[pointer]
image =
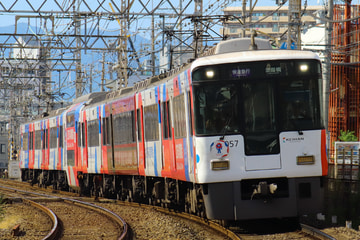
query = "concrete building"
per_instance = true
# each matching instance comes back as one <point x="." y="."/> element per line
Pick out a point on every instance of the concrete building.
<point x="269" y="21"/>
<point x="24" y="92"/>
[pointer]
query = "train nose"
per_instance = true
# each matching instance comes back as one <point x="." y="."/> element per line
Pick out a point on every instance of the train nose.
<point x="263" y="190"/>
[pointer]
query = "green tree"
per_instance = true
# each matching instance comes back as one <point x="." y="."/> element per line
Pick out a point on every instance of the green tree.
<point x="347" y="136"/>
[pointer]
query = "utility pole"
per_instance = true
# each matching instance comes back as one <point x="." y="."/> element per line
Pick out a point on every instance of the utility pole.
<point x="327" y="62"/>
<point x="152" y="45"/>
<point x="198" y="27"/>
<point x="243" y="17"/>
<point x="294" y="19"/>
<point x="79" y="81"/>
<point x="122" y="57"/>
<point x="91" y="77"/>
<point x="103" y="72"/>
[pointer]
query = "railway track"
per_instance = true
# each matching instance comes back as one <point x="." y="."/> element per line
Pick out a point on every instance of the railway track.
<point x="316" y="233"/>
<point x="146" y="222"/>
<point x="91" y="221"/>
<point x="277" y="229"/>
<point x="306" y="232"/>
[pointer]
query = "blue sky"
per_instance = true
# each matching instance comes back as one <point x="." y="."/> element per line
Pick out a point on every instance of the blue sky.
<point x="137" y="7"/>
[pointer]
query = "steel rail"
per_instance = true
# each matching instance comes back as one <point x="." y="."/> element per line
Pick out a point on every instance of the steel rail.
<point x="209" y="223"/>
<point x="55" y="230"/>
<point x="121" y="222"/>
<point x="315" y="232"/>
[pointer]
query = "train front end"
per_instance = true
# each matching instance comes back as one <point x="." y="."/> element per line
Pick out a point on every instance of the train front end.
<point x="259" y="134"/>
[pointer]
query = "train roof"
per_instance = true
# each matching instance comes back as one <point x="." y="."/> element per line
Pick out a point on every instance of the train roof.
<point x="241" y="44"/>
<point x="253" y="55"/>
<point x="91" y="97"/>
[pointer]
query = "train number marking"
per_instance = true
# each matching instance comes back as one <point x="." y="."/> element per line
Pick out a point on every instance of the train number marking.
<point x="233" y="143"/>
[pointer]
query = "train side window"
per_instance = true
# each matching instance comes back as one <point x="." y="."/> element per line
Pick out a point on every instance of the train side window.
<point x="70" y="119"/>
<point x="190" y="115"/>
<point x="124" y="124"/>
<point x="79" y="134"/>
<point x="70" y="154"/>
<point x="43" y="139"/>
<point x="138" y="114"/>
<point x="107" y="130"/>
<point x="31" y="141"/>
<point x="3" y="148"/>
<point x="151" y="122"/>
<point x="61" y="139"/>
<point x="166" y="120"/>
<point x="47" y="138"/>
<point x="133" y="130"/>
<point x="38" y="139"/>
<point x="93" y="131"/>
<point x="83" y="133"/>
<point x="25" y="141"/>
<point x="179" y="116"/>
<point x="53" y="137"/>
<point x="104" y="131"/>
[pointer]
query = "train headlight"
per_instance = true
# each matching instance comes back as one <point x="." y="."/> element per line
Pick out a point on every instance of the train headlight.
<point x="304" y="67"/>
<point x="305" y="160"/>
<point x="210" y="73"/>
<point x="220" y="164"/>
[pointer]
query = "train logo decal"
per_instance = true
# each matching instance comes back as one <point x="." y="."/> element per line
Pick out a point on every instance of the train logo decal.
<point x="293" y="139"/>
<point x="220" y="148"/>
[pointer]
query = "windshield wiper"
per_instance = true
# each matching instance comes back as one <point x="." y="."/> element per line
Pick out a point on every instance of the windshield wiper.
<point x="227" y="126"/>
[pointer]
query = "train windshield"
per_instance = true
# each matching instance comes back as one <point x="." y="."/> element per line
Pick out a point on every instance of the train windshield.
<point x="217" y="109"/>
<point x="257" y="100"/>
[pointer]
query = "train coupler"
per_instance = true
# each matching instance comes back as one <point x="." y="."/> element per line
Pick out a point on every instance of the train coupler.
<point x="263" y="190"/>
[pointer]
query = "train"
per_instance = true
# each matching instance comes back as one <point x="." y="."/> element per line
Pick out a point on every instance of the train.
<point x="236" y="134"/>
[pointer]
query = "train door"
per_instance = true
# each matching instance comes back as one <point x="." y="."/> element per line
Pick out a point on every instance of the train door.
<point x="107" y="139"/>
<point x="43" y="143"/>
<point x="190" y="127"/>
<point x="24" y="153"/>
<point x="79" y="153"/>
<point x="72" y="117"/>
<point x="180" y="130"/>
<point x="47" y="144"/>
<point x="82" y="153"/>
<point x="27" y="151"/>
<point x="167" y="136"/>
<point x="189" y="167"/>
<point x="53" y="156"/>
<point x="60" y="134"/>
<point x="180" y="136"/>
<point x="38" y="144"/>
<point x="31" y="145"/>
<point x="94" y="139"/>
<point x="152" y="121"/>
<point x="140" y="133"/>
<point x="124" y="136"/>
<point x="70" y="139"/>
